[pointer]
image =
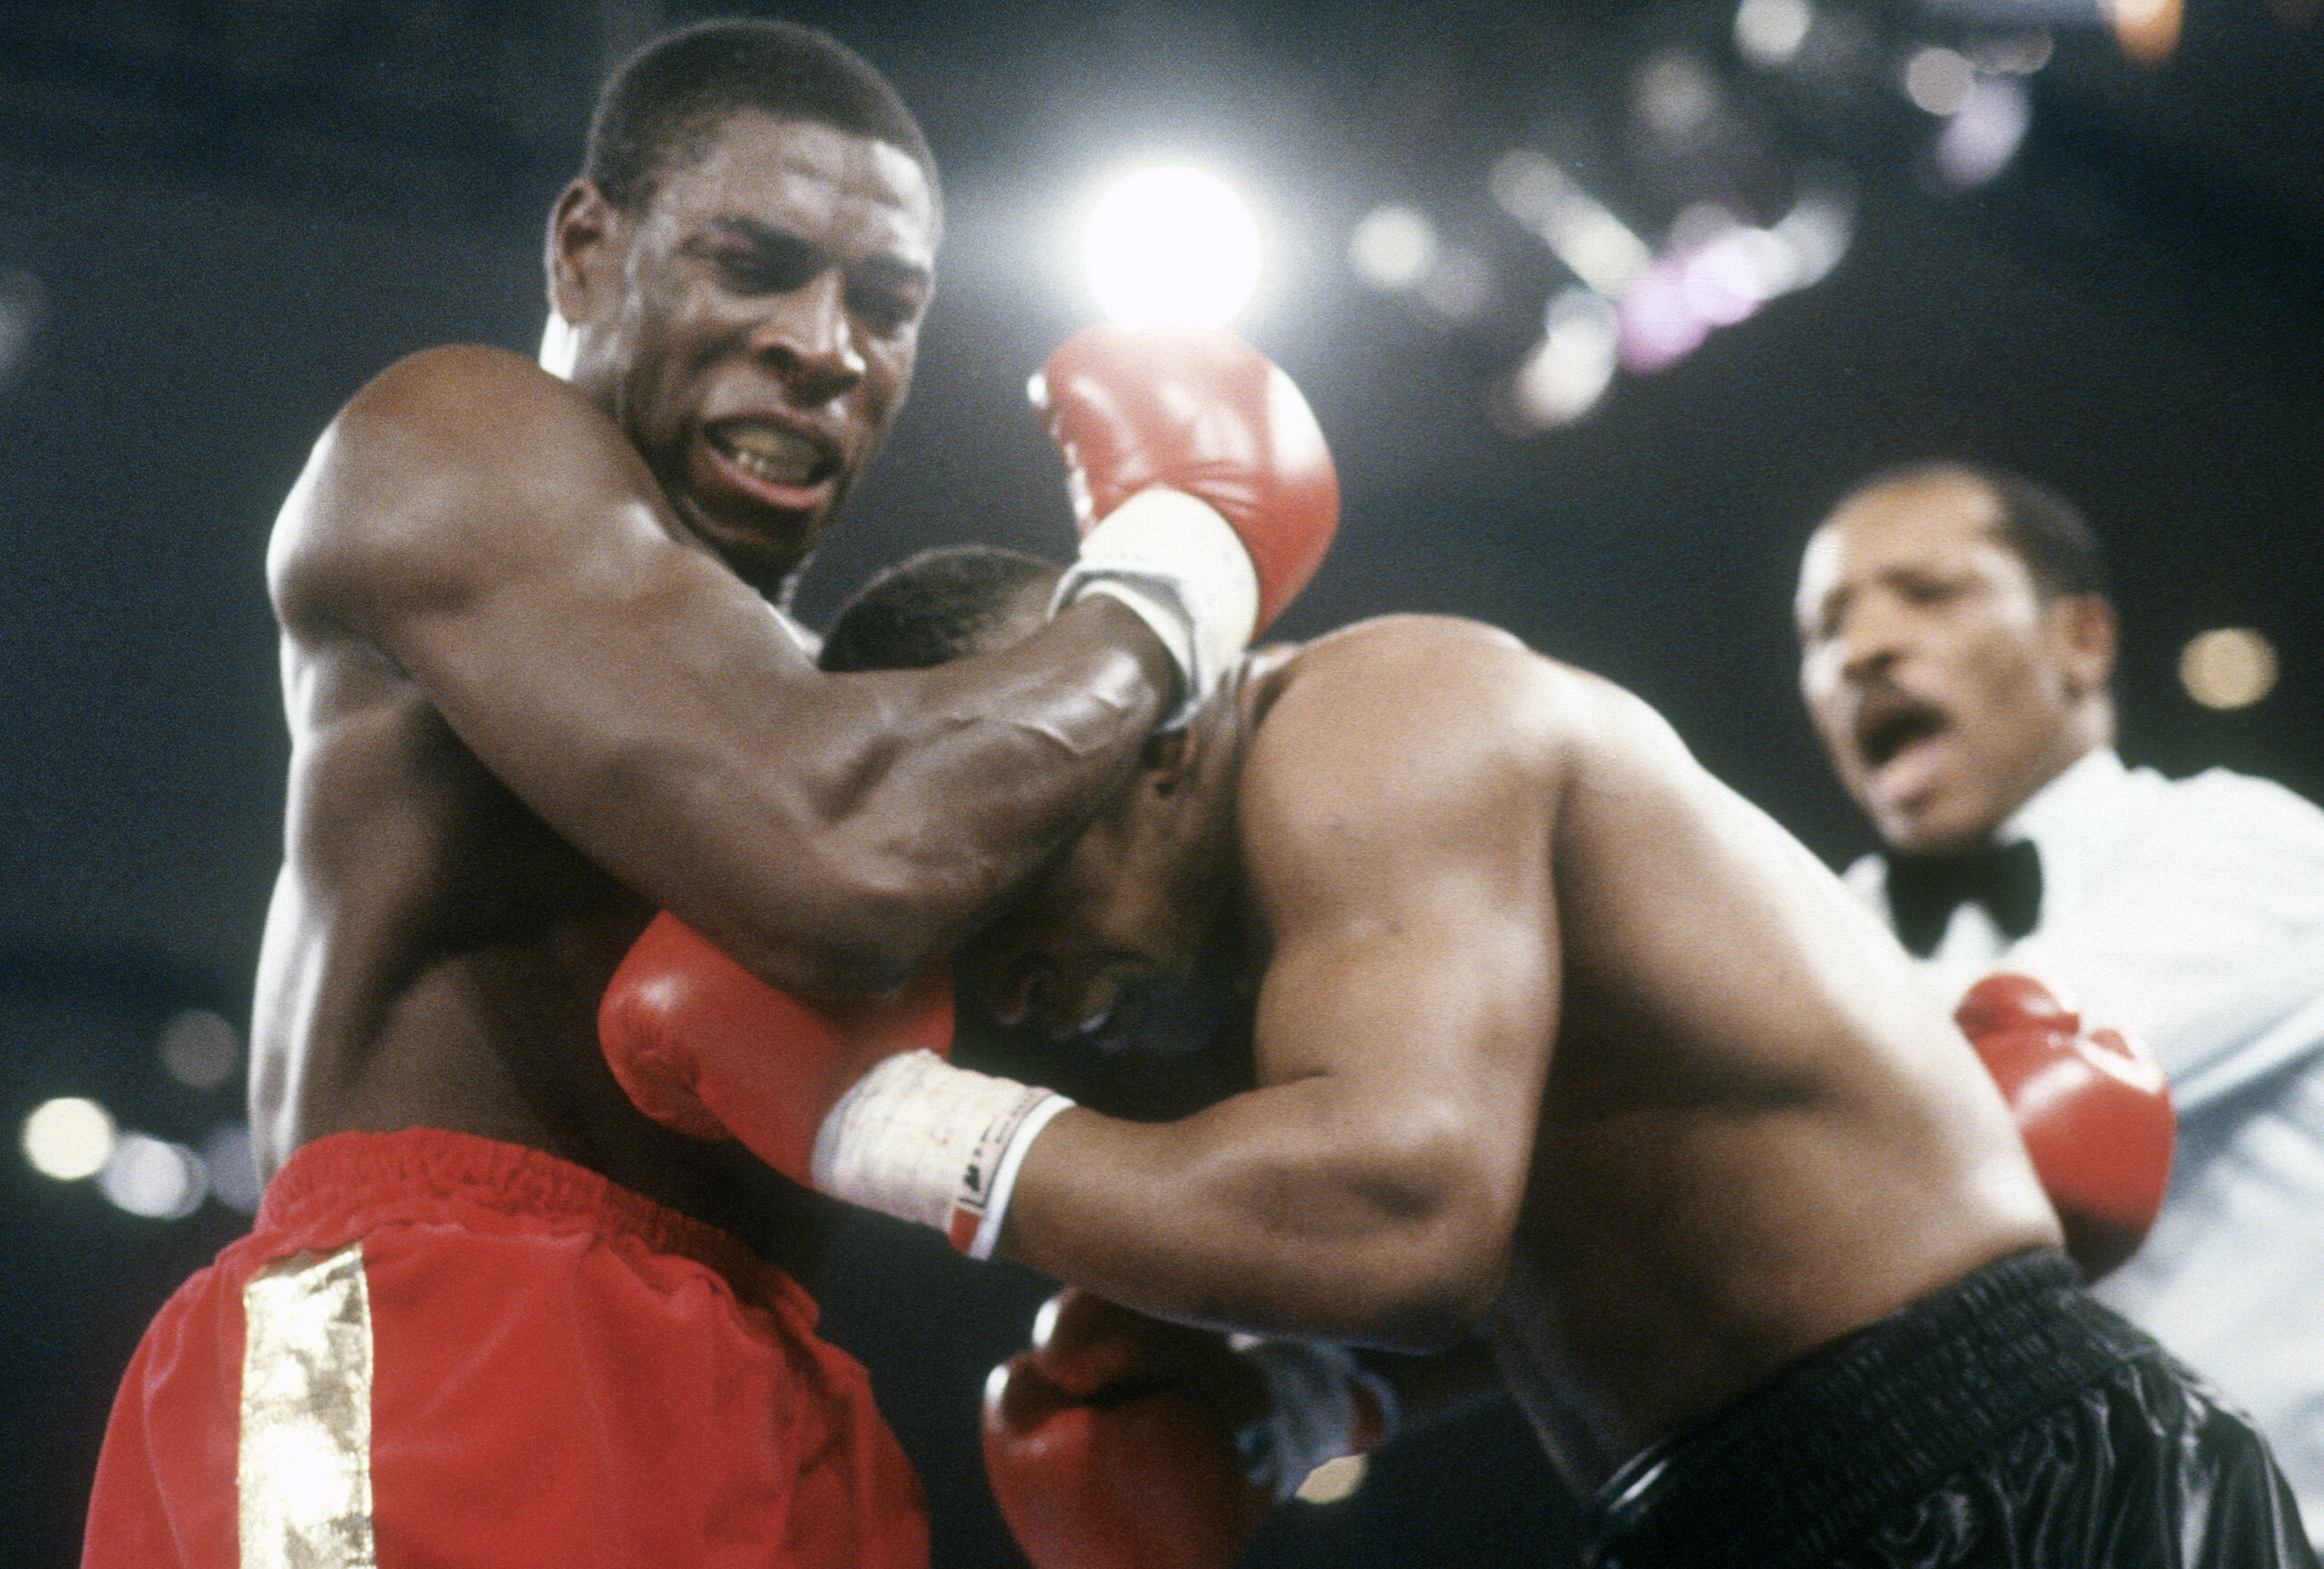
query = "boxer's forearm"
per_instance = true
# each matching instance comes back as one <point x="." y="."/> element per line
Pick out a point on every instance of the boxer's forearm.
<point x="903" y="806"/>
<point x="1278" y="1211"/>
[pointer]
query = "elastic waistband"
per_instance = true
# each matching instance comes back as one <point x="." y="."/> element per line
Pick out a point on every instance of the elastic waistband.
<point x="340" y="1186"/>
<point x="1785" y="1472"/>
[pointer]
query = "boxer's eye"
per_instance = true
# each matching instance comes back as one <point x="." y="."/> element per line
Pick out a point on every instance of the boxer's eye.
<point x="754" y="259"/>
<point x="763" y="270"/>
<point x="886" y="306"/>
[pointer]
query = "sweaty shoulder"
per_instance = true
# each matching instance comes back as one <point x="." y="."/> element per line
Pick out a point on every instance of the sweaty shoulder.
<point x="1460" y="686"/>
<point x="449" y="462"/>
<point x="1409" y="741"/>
<point x="1368" y="653"/>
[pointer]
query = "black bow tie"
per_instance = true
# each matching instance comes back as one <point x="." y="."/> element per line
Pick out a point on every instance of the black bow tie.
<point x="1922" y="889"/>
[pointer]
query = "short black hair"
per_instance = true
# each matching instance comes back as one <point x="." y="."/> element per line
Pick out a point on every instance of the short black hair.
<point x="664" y="104"/>
<point x="934" y="608"/>
<point x="2041" y="526"/>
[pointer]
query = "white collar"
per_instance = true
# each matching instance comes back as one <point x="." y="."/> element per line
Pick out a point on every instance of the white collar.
<point x="2074" y="818"/>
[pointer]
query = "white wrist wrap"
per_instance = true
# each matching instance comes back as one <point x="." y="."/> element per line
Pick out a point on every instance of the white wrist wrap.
<point x="1318" y="1396"/>
<point x="922" y="1140"/>
<point x="1182" y="569"/>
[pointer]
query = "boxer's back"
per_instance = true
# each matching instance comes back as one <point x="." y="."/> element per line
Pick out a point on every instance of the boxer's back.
<point x="1755" y="1132"/>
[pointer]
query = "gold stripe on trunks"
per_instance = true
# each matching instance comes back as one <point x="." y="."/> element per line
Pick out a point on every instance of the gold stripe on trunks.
<point x="304" y="1467"/>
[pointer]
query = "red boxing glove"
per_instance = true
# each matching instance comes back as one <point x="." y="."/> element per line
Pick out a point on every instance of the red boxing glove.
<point x="702" y="1045"/>
<point x="2002" y="1003"/>
<point x="2092" y="1106"/>
<point x="1146" y="418"/>
<point x="1120" y="1441"/>
<point x="1111" y="1446"/>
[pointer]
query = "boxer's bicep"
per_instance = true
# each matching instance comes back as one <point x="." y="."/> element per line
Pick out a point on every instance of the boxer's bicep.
<point x="1401" y="864"/>
<point x="1426" y="1005"/>
<point x="1411" y="992"/>
<point x="527" y="575"/>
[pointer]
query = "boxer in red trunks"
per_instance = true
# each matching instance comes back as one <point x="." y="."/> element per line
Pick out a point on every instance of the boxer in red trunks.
<point x="541" y="683"/>
<point x="447" y="1349"/>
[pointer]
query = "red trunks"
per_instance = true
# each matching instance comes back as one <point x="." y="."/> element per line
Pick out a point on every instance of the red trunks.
<point x="436" y="1349"/>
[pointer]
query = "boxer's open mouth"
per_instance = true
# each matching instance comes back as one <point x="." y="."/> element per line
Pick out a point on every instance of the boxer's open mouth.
<point x="772" y="453"/>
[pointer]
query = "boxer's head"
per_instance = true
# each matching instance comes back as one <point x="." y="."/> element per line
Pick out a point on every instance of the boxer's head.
<point x="744" y="262"/>
<point x="1127" y="938"/>
<point x="1956" y="647"/>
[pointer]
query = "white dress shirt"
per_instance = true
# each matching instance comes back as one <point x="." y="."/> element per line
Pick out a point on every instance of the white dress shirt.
<point x="2190" y="913"/>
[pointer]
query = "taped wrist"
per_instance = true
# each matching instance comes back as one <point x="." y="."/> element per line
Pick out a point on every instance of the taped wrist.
<point x="925" y="1141"/>
<point x="1322" y="1404"/>
<point x="1183" y="570"/>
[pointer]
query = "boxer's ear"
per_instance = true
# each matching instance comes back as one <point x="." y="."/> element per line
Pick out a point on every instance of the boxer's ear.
<point x="582" y="252"/>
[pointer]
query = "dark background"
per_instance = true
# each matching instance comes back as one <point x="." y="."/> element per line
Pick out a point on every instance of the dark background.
<point x="219" y="217"/>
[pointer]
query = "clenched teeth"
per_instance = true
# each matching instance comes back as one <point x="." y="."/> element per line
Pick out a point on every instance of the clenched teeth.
<point x="769" y="452"/>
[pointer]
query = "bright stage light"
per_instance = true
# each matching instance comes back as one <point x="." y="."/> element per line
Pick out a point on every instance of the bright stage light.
<point x="68" y="1137"/>
<point x="1172" y="244"/>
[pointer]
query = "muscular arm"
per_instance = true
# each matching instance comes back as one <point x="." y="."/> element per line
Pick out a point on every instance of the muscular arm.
<point x="525" y="572"/>
<point x="1368" y="1189"/>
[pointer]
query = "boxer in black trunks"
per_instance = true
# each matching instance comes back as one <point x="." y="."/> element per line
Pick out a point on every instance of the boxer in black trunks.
<point x="1551" y="1037"/>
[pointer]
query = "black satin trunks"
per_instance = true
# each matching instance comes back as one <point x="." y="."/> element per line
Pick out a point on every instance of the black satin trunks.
<point x="2008" y="1420"/>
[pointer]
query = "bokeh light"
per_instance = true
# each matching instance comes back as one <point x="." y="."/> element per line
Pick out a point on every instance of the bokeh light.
<point x="1392" y="248"/>
<point x="2146" y="30"/>
<point x="68" y="1137"/>
<point x="234" y="1167"/>
<point x="23" y="310"/>
<point x="153" y="1178"/>
<point x="1578" y="230"/>
<point x="200" y="1048"/>
<point x="1458" y="286"/>
<point x="1978" y="143"/>
<point x="1569" y="369"/>
<point x="1676" y="95"/>
<point x="1770" y="32"/>
<point x="2227" y="667"/>
<point x="1938" y="80"/>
